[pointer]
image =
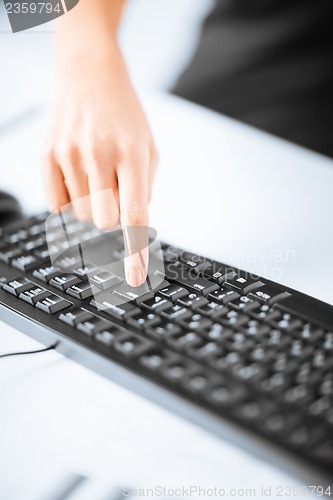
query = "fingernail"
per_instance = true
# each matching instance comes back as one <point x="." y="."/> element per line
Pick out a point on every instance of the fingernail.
<point x="103" y="224"/>
<point x="135" y="276"/>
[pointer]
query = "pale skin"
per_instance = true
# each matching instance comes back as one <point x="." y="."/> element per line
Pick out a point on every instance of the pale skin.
<point x="98" y="138"/>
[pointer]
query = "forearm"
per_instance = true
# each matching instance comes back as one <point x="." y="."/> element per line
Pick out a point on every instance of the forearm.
<point x="91" y="27"/>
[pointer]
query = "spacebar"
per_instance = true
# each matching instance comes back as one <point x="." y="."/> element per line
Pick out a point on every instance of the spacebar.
<point x="311" y="310"/>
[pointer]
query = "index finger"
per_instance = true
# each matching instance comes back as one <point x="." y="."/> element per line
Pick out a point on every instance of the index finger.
<point x="133" y="194"/>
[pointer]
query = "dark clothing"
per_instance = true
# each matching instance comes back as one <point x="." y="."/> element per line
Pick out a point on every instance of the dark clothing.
<point x="268" y="63"/>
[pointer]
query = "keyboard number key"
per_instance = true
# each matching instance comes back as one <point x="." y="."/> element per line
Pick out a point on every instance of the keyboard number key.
<point x="75" y="316"/>
<point x="17" y="286"/>
<point x="53" y="304"/>
<point x="34" y="295"/>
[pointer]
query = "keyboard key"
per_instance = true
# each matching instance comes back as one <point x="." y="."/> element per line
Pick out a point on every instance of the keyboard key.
<point x="107" y="337"/>
<point x="185" y="340"/>
<point x="287" y="322"/>
<point x="83" y="272"/>
<point x="262" y="354"/>
<point x="319" y="358"/>
<point x="176" y="312"/>
<point x="252" y="373"/>
<point x="36" y="229"/>
<point x="155" y="359"/>
<point x="264" y="312"/>
<point x="297" y="395"/>
<point x="254" y="327"/>
<point x="219" y="273"/>
<point x="173" y="292"/>
<point x="163" y="329"/>
<point x="57" y="247"/>
<point x="221" y="395"/>
<point x="309" y="333"/>
<point x="320" y="406"/>
<point x="93" y="325"/>
<point x="53" y="304"/>
<point x="143" y="319"/>
<point x="129" y="293"/>
<point x="75" y="316"/>
<point x="303" y="375"/>
<point x="156" y="304"/>
<point x="218" y="332"/>
<point x="244" y="283"/>
<point x="275" y="423"/>
<point x="114" y="306"/>
<point x="17" y="286"/>
<point x="284" y="364"/>
<point x="25" y="262"/>
<point x="17" y="236"/>
<point x="246" y="304"/>
<point x="324" y="452"/>
<point x="192" y="300"/>
<point x="212" y="309"/>
<point x="121" y="311"/>
<point x="104" y="280"/>
<point x="223" y="295"/>
<point x="82" y="290"/>
<point x="42" y="253"/>
<point x="224" y="361"/>
<point x="326" y="387"/>
<point x="277" y="339"/>
<point x="33" y="244"/>
<point x="131" y="346"/>
<point x="45" y="273"/>
<point x="9" y="253"/>
<point x="234" y="319"/>
<point x="175" y="372"/>
<point x="193" y="261"/>
<point x="328" y="339"/>
<point x="269" y="294"/>
<point x="205" y="351"/>
<point x="227" y="395"/>
<point x="239" y="343"/>
<point x="189" y="280"/>
<point x="251" y="411"/>
<point x="195" y="322"/>
<point x="34" y="295"/>
<point x="68" y="262"/>
<point x="197" y="383"/>
<point x="64" y="281"/>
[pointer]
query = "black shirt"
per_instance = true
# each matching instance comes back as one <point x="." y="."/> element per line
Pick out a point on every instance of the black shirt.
<point x="268" y="63"/>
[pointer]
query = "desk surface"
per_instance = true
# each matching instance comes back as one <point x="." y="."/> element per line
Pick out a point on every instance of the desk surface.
<point x="222" y="189"/>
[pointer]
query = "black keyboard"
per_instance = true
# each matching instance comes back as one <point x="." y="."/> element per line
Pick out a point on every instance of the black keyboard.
<point x="240" y="355"/>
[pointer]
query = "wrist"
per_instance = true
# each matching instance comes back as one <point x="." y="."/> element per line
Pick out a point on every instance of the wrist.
<point x="89" y="32"/>
<point x="81" y="56"/>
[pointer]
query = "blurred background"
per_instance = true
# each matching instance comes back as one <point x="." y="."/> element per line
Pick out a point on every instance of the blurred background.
<point x="158" y="39"/>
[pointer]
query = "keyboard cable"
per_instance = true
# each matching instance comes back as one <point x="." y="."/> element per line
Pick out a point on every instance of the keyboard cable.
<point x="53" y="346"/>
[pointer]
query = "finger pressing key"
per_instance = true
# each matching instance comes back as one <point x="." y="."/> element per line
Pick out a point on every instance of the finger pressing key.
<point x="133" y="190"/>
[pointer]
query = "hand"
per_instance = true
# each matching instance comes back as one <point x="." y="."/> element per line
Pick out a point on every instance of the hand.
<point x="99" y="140"/>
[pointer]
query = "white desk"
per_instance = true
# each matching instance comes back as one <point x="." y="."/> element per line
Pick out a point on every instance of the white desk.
<point x="222" y="189"/>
